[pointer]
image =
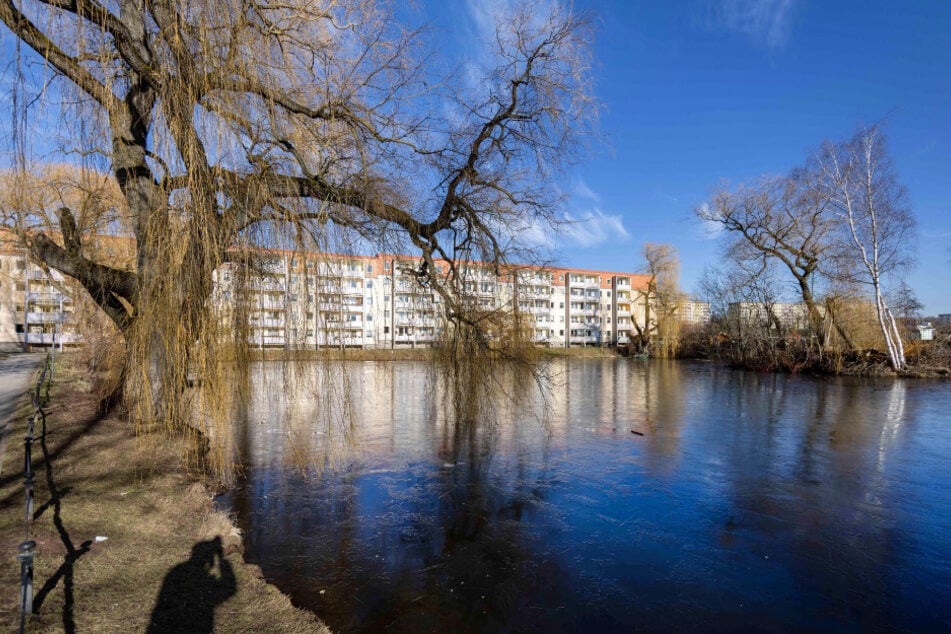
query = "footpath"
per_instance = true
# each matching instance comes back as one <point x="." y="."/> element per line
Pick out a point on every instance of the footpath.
<point x="16" y="373"/>
<point x="127" y="541"/>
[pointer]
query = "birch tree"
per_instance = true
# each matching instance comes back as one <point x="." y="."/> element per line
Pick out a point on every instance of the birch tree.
<point x="219" y="118"/>
<point x="875" y="225"/>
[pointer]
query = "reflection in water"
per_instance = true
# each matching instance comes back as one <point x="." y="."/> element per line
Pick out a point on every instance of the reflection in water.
<point x="751" y="501"/>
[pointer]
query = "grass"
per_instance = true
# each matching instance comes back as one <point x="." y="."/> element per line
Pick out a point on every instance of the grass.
<point x="95" y="479"/>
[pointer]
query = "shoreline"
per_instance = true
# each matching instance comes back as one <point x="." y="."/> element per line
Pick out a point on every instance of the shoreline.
<point x="119" y="523"/>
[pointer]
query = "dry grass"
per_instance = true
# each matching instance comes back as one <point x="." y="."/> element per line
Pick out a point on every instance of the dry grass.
<point x="95" y="478"/>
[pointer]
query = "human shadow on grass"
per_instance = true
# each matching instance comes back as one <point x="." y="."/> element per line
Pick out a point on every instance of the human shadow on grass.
<point x="192" y="590"/>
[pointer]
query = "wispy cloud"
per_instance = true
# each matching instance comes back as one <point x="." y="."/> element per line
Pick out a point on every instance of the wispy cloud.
<point x="580" y="189"/>
<point x="709" y="229"/>
<point x="766" y="22"/>
<point x="584" y="229"/>
<point x="592" y="228"/>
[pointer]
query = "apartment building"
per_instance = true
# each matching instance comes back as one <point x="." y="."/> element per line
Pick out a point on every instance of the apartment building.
<point x="695" y="312"/>
<point x="36" y="308"/>
<point x="313" y="300"/>
<point x="758" y="314"/>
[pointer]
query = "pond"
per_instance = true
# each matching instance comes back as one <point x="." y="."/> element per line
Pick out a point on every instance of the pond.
<point x="630" y="495"/>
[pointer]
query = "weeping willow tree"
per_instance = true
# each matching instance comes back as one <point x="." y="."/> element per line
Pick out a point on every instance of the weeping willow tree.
<point x="237" y="123"/>
<point x="663" y="301"/>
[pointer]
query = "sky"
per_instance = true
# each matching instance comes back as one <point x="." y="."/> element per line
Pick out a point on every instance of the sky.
<point x="696" y="93"/>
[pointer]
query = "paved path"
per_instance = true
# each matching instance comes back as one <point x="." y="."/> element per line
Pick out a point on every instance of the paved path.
<point x="16" y="373"/>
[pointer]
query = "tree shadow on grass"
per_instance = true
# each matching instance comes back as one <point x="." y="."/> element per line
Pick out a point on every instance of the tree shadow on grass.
<point x="192" y="590"/>
<point x="65" y="570"/>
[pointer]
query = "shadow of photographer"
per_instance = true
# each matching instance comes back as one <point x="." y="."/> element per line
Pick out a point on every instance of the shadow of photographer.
<point x="192" y="590"/>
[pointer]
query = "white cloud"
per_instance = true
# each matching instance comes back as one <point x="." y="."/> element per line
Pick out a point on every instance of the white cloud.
<point x="709" y="229"/>
<point x="580" y="189"/>
<point x="766" y="22"/>
<point x="592" y="228"/>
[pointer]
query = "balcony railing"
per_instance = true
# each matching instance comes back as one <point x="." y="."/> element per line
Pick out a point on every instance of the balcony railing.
<point x="45" y="318"/>
<point x="49" y="338"/>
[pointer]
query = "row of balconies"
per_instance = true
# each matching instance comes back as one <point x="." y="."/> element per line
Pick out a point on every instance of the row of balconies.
<point x="49" y="338"/>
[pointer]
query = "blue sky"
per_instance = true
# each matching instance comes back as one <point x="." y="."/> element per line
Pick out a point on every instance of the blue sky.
<point x="698" y="92"/>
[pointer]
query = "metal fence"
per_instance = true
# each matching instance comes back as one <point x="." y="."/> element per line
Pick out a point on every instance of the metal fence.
<point x="27" y="551"/>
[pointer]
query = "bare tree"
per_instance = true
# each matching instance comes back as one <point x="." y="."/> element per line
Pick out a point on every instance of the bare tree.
<point x="222" y="122"/>
<point x="870" y="205"/>
<point x="779" y="219"/>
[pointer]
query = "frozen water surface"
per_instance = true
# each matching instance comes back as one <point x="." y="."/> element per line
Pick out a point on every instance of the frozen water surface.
<point x="750" y="502"/>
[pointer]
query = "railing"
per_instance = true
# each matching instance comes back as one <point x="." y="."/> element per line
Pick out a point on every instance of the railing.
<point x="27" y="549"/>
<point x="38" y="317"/>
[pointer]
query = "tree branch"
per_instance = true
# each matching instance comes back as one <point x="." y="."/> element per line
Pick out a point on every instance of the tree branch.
<point x="23" y="28"/>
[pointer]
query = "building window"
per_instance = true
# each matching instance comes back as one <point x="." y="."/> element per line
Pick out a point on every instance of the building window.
<point x="369" y="270"/>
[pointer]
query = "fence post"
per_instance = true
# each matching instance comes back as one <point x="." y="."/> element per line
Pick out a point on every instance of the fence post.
<point x="26" y="555"/>
<point x="27" y="549"/>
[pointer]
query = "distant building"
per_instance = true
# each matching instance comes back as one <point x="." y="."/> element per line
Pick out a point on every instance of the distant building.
<point x="312" y="300"/>
<point x="35" y="308"/>
<point x="770" y="316"/>
<point x="695" y="312"/>
<point x="923" y="332"/>
<point x="944" y="319"/>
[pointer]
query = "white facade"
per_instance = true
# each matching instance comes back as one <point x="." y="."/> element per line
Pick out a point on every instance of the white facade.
<point x="308" y="301"/>
<point x="36" y="309"/>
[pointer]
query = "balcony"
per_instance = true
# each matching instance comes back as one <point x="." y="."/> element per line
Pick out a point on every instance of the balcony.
<point x="256" y="340"/>
<point x="538" y="292"/>
<point x="348" y="341"/>
<point x="583" y="340"/>
<point x="45" y="318"/>
<point x="49" y="338"/>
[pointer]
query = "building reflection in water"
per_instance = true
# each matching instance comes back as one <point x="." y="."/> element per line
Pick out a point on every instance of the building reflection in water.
<point x="758" y="500"/>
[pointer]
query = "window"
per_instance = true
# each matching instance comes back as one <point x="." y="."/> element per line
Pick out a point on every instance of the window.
<point x="386" y="313"/>
<point x="386" y="299"/>
<point x="370" y="317"/>
<point x="369" y="270"/>
<point x="369" y="283"/>
<point x="386" y="330"/>
<point x="386" y="266"/>
<point x="369" y="333"/>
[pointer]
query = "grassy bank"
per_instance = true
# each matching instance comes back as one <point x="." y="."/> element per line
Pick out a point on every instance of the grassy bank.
<point x="94" y="480"/>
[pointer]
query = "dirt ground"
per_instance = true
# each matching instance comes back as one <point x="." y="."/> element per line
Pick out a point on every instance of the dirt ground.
<point x="126" y="540"/>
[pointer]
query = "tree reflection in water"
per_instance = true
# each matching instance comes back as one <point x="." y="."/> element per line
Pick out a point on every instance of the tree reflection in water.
<point x="758" y="501"/>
